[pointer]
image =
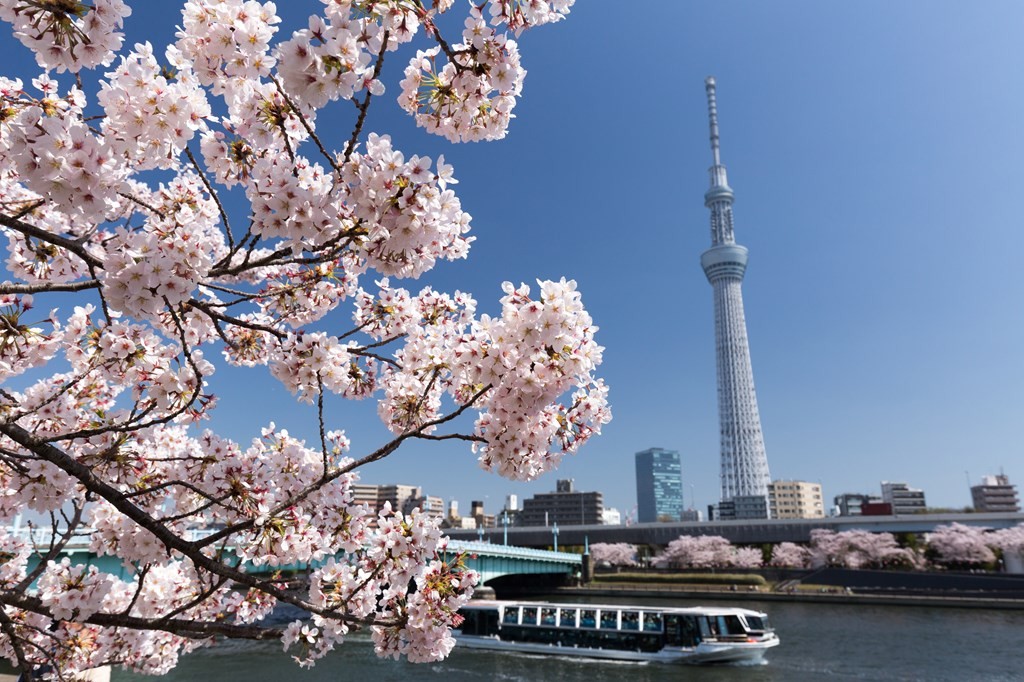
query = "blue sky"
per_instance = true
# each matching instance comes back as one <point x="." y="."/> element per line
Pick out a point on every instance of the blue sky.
<point x="875" y="150"/>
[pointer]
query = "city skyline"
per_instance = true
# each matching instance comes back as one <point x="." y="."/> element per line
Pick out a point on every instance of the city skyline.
<point x="877" y="150"/>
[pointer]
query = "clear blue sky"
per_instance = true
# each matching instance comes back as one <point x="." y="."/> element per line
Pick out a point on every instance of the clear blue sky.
<point x="876" y="152"/>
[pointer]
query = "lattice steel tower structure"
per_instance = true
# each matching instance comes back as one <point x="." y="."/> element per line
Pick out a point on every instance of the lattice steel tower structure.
<point x="744" y="463"/>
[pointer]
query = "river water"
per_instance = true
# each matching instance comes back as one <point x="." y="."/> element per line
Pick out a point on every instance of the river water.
<point x="819" y="641"/>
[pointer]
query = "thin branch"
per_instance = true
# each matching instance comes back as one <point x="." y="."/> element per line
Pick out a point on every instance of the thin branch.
<point x="28" y="209"/>
<point x="55" y="548"/>
<point x="365" y="106"/>
<point x="452" y="436"/>
<point x="305" y="124"/>
<point x="320" y="417"/>
<point x="143" y="204"/>
<point x="213" y="193"/>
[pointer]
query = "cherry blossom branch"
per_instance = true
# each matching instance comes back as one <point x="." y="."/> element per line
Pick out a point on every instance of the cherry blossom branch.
<point x="28" y="209"/>
<point x="214" y="195"/>
<point x="7" y="625"/>
<point x="305" y="124"/>
<point x="183" y="627"/>
<point x="365" y="106"/>
<point x="143" y="204"/>
<point x="8" y="288"/>
<point x="43" y="235"/>
<point x="143" y="572"/>
<point x="92" y="483"/>
<point x="452" y="436"/>
<point x="55" y="548"/>
<point x="378" y="454"/>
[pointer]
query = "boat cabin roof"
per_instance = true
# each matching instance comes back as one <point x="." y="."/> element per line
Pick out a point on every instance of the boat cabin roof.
<point x="691" y="610"/>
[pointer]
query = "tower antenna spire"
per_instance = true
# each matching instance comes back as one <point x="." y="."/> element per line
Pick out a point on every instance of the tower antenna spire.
<point x="709" y="85"/>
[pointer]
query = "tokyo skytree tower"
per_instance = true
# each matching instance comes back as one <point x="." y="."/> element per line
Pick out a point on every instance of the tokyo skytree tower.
<point x="744" y="463"/>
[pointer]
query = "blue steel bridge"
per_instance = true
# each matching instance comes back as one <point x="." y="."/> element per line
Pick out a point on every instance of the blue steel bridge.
<point x="489" y="560"/>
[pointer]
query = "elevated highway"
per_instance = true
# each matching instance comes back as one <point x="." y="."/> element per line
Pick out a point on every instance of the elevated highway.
<point x="750" y="532"/>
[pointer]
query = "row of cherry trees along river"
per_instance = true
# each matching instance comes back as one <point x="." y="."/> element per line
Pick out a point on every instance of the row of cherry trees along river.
<point x="953" y="546"/>
<point x="113" y="204"/>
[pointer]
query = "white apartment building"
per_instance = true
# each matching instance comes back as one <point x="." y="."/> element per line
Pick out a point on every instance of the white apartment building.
<point x="795" y="500"/>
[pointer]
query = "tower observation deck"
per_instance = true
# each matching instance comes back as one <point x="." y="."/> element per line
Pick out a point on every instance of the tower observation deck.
<point x="744" y="463"/>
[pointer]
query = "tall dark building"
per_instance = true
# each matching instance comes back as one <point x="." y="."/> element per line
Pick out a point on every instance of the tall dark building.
<point x="659" y="485"/>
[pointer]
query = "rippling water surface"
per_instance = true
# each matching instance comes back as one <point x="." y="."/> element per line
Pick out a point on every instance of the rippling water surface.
<point x="819" y="641"/>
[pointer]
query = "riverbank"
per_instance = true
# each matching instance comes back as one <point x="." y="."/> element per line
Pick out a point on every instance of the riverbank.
<point x="822" y="596"/>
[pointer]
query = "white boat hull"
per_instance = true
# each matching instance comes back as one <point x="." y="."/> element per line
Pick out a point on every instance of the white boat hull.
<point x="703" y="653"/>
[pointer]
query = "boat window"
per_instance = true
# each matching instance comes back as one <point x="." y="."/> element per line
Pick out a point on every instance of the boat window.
<point x="511" y="615"/>
<point x="588" y="618"/>
<point x="630" y="620"/>
<point x="567" y="618"/>
<point x="758" y="623"/>
<point x="705" y="623"/>
<point x="652" y="622"/>
<point x="609" y="620"/>
<point x="469" y="620"/>
<point x="529" y="615"/>
<point x="547" y="616"/>
<point x="730" y="625"/>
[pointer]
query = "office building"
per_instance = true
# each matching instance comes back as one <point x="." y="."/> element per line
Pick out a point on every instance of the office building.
<point x="902" y="498"/>
<point x="995" y="494"/>
<point x="564" y="507"/>
<point x="659" y="485"/>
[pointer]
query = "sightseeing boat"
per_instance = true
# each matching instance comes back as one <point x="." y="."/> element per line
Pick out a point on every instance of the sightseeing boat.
<point x="633" y="633"/>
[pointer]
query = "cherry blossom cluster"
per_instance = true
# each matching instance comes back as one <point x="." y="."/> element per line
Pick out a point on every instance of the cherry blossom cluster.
<point x="330" y="60"/>
<point x="400" y="552"/>
<point x="57" y="156"/>
<point x="230" y="159"/>
<point x="522" y="14"/>
<point x="32" y="259"/>
<point x="471" y="98"/>
<point x="413" y="390"/>
<point x="291" y="201"/>
<point x="538" y="349"/>
<point x="73" y="592"/>
<point x="960" y="545"/>
<point x="24" y="345"/>
<point x="859" y="549"/>
<point x="613" y="553"/>
<point x="68" y="35"/>
<point x="790" y="555"/>
<point x="410" y="218"/>
<point x="150" y="119"/>
<point x="430" y="614"/>
<point x="12" y="566"/>
<point x="1009" y="540"/>
<point x="79" y="591"/>
<point x="228" y="41"/>
<point x="308" y="364"/>
<point x="298" y="295"/>
<point x="161" y="264"/>
<point x="707" y="551"/>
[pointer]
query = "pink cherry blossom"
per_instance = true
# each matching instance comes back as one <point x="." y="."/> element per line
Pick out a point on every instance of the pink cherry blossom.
<point x="185" y="215"/>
